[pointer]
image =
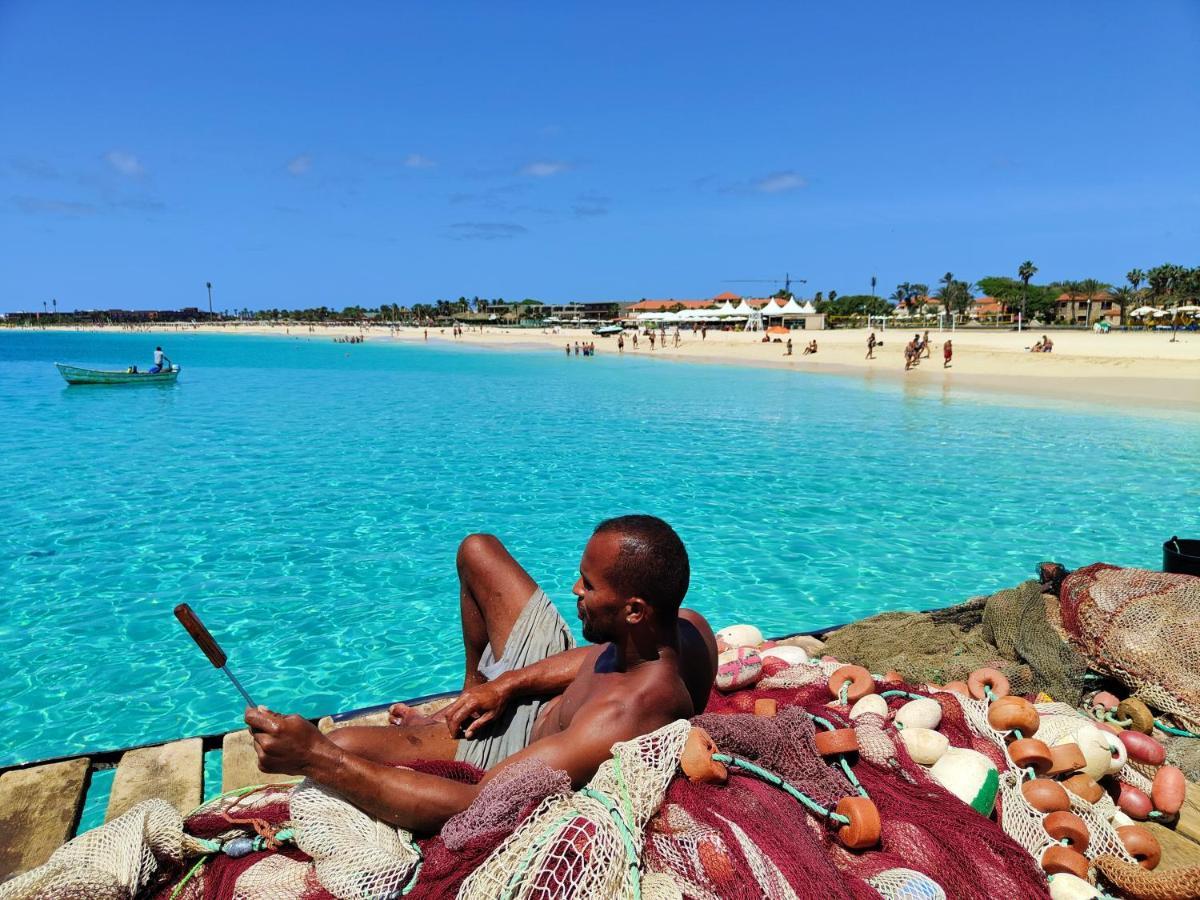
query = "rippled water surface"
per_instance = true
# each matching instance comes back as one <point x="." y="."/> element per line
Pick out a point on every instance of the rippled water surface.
<point x="307" y="498"/>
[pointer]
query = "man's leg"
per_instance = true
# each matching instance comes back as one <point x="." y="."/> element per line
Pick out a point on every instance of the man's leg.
<point x="393" y="745"/>
<point x="493" y="590"/>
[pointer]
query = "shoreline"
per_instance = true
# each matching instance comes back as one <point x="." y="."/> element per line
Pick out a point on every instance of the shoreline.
<point x="1132" y="371"/>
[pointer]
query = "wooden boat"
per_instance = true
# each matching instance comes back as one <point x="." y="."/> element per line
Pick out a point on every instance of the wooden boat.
<point x="76" y="375"/>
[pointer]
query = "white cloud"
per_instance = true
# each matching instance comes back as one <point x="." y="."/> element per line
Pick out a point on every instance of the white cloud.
<point x="125" y="163"/>
<point x="544" y="168"/>
<point x="417" y="161"/>
<point x="300" y="165"/>
<point x="778" y="182"/>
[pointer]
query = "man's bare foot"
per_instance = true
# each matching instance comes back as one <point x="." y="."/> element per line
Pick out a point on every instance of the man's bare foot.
<point x="404" y="715"/>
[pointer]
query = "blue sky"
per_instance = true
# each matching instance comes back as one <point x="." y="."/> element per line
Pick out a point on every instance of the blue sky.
<point x="300" y="154"/>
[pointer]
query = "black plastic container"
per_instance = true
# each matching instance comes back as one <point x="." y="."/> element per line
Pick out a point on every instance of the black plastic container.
<point x="1182" y="557"/>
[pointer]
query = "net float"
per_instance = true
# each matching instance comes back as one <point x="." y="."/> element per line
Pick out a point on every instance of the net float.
<point x="1168" y="790"/>
<point x="1030" y="753"/>
<point x="697" y="761"/>
<point x="1133" y="802"/>
<point x="958" y="687"/>
<point x="924" y="745"/>
<point x="980" y="679"/>
<point x="970" y="776"/>
<point x="737" y="668"/>
<point x="1118" y="755"/>
<point x="864" y="829"/>
<point x="1138" y="712"/>
<point x="1065" y="886"/>
<point x="1085" y="787"/>
<point x="924" y="712"/>
<point x="872" y="703"/>
<point x="858" y="680"/>
<point x="1106" y="700"/>
<point x="1141" y="845"/>
<point x="766" y="707"/>
<point x="740" y="636"/>
<point x="1046" y="796"/>
<point x="1066" y="758"/>
<point x="892" y="676"/>
<point x="1058" y="858"/>
<point x="1142" y="748"/>
<point x="1063" y="825"/>
<point x="840" y="740"/>
<point x="1014" y="716"/>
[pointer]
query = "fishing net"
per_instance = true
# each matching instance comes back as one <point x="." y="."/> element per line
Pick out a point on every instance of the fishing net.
<point x="1143" y="628"/>
<point x="134" y="852"/>
<point x="1134" y="881"/>
<point x="589" y="843"/>
<point x="927" y="647"/>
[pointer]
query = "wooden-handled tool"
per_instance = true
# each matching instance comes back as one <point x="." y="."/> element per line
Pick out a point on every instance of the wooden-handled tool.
<point x="190" y="621"/>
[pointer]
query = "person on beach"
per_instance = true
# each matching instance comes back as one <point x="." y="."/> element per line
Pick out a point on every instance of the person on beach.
<point x="635" y="340"/>
<point x="651" y="340"/>
<point x="810" y="348"/>
<point x="1047" y="344"/>
<point x="788" y="352"/>
<point x="910" y="351"/>
<point x="925" y="344"/>
<point x="159" y="358"/>
<point x="568" y="349"/>
<point x="947" y="354"/>
<point x="871" y="345"/>
<point x="621" y="343"/>
<point x="528" y="693"/>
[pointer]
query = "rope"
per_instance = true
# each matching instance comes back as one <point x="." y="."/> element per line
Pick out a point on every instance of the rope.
<point x="1181" y="732"/>
<point x="188" y="877"/>
<point x="773" y="779"/>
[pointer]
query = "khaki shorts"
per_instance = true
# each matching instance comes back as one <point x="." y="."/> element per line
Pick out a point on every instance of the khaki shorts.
<point x="539" y="632"/>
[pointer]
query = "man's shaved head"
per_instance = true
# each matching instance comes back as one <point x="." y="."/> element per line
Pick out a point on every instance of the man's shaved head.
<point x="652" y="563"/>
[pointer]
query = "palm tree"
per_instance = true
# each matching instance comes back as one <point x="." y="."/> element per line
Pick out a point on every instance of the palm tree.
<point x="1025" y="272"/>
<point x="874" y="280"/>
<point x="1072" y="289"/>
<point x="946" y="292"/>
<point x="1135" y="277"/>
<point x="1124" y="297"/>
<point x="1090" y="288"/>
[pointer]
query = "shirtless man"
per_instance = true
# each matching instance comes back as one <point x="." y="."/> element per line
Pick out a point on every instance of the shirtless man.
<point x="527" y="694"/>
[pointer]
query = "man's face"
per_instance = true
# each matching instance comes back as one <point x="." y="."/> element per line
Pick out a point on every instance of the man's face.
<point x="602" y="609"/>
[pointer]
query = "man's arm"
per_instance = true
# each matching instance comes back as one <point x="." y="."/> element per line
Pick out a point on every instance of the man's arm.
<point x="478" y="705"/>
<point x="423" y="803"/>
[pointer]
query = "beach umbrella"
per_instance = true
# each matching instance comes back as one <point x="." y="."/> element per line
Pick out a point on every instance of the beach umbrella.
<point x="1144" y="311"/>
<point x="1187" y="309"/>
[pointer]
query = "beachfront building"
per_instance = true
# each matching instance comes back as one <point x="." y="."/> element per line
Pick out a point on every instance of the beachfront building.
<point x="1081" y="309"/>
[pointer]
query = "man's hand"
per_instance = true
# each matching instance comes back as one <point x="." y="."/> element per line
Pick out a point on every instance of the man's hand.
<point x="288" y="745"/>
<point x="476" y="706"/>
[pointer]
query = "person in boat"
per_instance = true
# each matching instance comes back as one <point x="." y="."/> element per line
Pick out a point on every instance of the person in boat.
<point x="159" y="360"/>
<point x="528" y="694"/>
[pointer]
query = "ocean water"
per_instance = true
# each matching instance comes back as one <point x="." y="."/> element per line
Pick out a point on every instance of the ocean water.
<point x="306" y="498"/>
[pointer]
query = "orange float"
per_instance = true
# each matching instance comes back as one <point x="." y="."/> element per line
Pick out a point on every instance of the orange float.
<point x="864" y="828"/>
<point x="1143" y="748"/>
<point x="766" y="707"/>
<point x="1066" y="758"/>
<point x="1058" y="858"/>
<point x="1014" y="714"/>
<point x="697" y="761"/>
<point x="859" y="680"/>
<point x="1046" y="796"/>
<point x="1141" y="845"/>
<point x="1168" y="790"/>
<point x="990" y="678"/>
<point x="840" y="740"/>
<point x="1063" y="824"/>
<point x="959" y="687"/>
<point x="1133" y="802"/>
<point x="893" y="677"/>
<point x="1084" y="786"/>
<point x="1030" y="753"/>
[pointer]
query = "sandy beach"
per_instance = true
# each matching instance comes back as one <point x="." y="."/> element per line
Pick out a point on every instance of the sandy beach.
<point x="1131" y="370"/>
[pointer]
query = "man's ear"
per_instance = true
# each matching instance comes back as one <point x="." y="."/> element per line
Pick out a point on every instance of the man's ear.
<point x="636" y="610"/>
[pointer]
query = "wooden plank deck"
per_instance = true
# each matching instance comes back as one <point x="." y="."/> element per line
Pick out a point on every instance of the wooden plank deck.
<point x="173" y="772"/>
<point x="39" y="810"/>
<point x="239" y="763"/>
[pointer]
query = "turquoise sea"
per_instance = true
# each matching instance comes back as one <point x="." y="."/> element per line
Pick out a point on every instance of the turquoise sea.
<point x="307" y="498"/>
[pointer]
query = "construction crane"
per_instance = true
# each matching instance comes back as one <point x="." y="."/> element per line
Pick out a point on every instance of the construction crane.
<point x="786" y="281"/>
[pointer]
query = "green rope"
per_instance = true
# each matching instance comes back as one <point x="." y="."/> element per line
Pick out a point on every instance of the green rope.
<point x="1177" y="731"/>
<point x="188" y="877"/>
<point x="841" y="760"/>
<point x="989" y="693"/>
<point x="773" y="779"/>
<point x="539" y="841"/>
<point x="909" y="694"/>
<point x="1109" y="717"/>
<point x="844" y="693"/>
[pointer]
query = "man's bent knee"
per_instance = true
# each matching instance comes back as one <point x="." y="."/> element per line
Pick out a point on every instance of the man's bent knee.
<point x="478" y="550"/>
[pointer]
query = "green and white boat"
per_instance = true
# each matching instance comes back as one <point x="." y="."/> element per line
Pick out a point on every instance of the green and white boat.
<point x="75" y="375"/>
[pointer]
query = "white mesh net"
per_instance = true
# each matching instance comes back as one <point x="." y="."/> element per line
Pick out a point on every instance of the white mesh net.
<point x="109" y="863"/>
<point x="588" y="844"/>
<point x="1020" y="820"/>
<point x="354" y="855"/>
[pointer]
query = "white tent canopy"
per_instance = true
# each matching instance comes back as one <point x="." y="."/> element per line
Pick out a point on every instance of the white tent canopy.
<point x="772" y="308"/>
<point x="725" y="307"/>
<point x="791" y="308"/>
<point x="744" y="309"/>
<point x="808" y="309"/>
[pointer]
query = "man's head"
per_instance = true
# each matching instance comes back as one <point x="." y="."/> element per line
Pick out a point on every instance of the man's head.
<point x="634" y="572"/>
<point x="159" y="349"/>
